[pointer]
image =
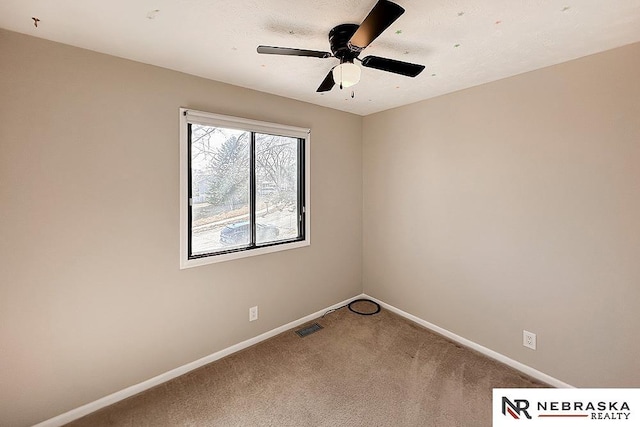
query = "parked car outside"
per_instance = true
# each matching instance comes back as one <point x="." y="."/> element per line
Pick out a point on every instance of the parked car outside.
<point x="238" y="233"/>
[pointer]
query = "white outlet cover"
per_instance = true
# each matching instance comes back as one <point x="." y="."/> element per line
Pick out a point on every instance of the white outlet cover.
<point x="529" y="339"/>
<point x="253" y="313"/>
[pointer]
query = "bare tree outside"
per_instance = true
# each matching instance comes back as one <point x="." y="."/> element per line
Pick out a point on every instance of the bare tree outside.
<point x="220" y="174"/>
<point x="277" y="184"/>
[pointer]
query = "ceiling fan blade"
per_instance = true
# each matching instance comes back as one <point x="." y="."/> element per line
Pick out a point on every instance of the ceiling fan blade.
<point x="272" y="50"/>
<point x="328" y="83"/>
<point x="392" y="66"/>
<point x="383" y="14"/>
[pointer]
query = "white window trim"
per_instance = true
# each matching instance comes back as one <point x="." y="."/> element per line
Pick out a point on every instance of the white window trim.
<point x="188" y="115"/>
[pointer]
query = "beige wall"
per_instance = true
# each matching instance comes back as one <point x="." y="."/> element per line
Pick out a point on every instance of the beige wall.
<point x="516" y="205"/>
<point x="91" y="296"/>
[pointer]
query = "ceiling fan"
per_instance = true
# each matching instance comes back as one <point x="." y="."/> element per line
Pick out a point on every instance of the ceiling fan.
<point x="347" y="41"/>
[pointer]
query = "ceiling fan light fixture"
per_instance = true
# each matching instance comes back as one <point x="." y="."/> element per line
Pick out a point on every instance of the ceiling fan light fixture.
<point x="346" y="74"/>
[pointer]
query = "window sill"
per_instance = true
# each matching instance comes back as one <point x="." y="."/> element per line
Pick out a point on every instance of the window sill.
<point x="196" y="262"/>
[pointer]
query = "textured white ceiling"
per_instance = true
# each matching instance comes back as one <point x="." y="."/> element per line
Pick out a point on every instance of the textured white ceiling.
<point x="463" y="43"/>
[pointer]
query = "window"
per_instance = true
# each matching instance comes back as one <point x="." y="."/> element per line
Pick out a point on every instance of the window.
<point x="244" y="187"/>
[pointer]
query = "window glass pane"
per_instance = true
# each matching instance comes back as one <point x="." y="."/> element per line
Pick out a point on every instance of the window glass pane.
<point x="276" y="188"/>
<point x="219" y="189"/>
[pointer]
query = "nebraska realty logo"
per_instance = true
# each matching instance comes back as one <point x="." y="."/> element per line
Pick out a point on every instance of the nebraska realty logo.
<point x="566" y="407"/>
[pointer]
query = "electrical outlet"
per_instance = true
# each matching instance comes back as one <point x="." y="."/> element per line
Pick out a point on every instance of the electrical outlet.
<point x="253" y="313"/>
<point x="529" y="339"/>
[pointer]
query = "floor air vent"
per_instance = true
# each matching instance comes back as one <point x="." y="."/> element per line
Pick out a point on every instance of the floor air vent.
<point x="308" y="330"/>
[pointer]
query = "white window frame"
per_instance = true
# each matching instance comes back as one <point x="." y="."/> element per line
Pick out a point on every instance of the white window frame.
<point x="188" y="115"/>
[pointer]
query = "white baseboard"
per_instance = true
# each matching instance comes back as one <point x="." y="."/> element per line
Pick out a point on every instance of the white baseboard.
<point x="87" y="409"/>
<point x="477" y="347"/>
<point x="83" y="410"/>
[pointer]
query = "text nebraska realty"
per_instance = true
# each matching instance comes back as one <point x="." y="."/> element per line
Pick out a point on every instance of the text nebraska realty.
<point x="599" y="410"/>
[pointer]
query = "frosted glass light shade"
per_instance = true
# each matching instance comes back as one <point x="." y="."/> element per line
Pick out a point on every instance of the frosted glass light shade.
<point x="346" y="73"/>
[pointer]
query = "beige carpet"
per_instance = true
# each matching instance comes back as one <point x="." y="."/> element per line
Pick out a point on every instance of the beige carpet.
<point x="379" y="370"/>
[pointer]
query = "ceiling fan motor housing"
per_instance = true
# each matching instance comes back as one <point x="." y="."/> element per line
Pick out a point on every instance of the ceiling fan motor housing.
<point x="339" y="41"/>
